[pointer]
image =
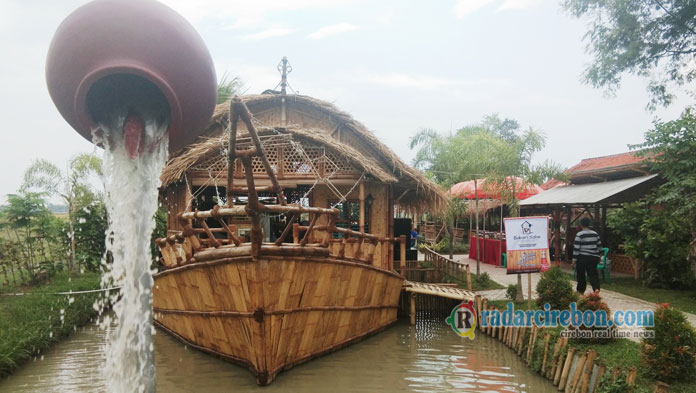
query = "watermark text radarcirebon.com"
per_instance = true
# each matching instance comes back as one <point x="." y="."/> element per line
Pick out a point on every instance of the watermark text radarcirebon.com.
<point x="566" y="318"/>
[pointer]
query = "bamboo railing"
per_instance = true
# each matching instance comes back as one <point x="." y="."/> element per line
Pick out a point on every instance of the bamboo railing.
<point x="446" y="267"/>
<point x="188" y="246"/>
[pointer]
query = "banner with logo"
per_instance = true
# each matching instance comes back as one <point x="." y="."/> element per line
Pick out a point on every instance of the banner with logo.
<point x="527" y="244"/>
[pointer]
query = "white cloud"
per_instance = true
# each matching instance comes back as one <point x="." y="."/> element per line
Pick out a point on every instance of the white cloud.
<point x="518" y="4"/>
<point x="273" y="31"/>
<point x="464" y="7"/>
<point x="332" y="30"/>
<point x="426" y="82"/>
<point x="242" y="13"/>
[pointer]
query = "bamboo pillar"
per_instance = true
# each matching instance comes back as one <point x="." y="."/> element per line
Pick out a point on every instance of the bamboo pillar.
<point x="557" y="234"/>
<point x="569" y="219"/>
<point x="520" y="341"/>
<point x="600" y="372"/>
<point x="589" y="365"/>
<point x="566" y="369"/>
<point x="413" y="309"/>
<point x="484" y="306"/>
<point x="477" y="301"/>
<point x="296" y="233"/>
<point x="631" y="379"/>
<point x="546" y="352"/>
<point x="570" y="388"/>
<point x="402" y="255"/>
<point x="532" y="341"/>
<point x="362" y="206"/>
<point x="603" y="224"/>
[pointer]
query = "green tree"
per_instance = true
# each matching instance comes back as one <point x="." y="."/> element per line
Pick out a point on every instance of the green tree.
<point x="655" y="39"/>
<point x="71" y="185"/>
<point x="23" y="211"/>
<point x="672" y="148"/>
<point x="495" y="149"/>
<point x="659" y="238"/>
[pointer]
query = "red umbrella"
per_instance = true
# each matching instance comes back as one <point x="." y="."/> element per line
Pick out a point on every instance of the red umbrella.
<point x="465" y="190"/>
<point x="491" y="189"/>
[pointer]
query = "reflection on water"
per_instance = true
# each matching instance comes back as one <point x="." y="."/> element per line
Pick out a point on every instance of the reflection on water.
<point x="427" y="358"/>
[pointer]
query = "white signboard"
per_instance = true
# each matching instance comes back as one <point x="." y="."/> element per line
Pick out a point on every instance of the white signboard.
<point x="527" y="244"/>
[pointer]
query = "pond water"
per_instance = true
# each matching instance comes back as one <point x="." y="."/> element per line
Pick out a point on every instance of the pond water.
<point x="429" y="357"/>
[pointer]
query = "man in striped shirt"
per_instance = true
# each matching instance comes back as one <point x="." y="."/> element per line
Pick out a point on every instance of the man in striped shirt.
<point x="586" y="253"/>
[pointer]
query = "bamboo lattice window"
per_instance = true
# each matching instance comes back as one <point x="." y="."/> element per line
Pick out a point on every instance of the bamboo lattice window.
<point x="297" y="159"/>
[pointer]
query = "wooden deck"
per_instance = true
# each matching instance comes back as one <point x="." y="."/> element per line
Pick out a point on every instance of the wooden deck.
<point x="444" y="291"/>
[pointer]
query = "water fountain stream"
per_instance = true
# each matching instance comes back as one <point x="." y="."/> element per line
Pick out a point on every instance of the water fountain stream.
<point x="135" y="76"/>
<point x="132" y="179"/>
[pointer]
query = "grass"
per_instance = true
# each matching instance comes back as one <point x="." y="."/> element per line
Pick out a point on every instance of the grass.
<point x="682" y="300"/>
<point x="30" y="323"/>
<point x="478" y="282"/>
<point x="624" y="353"/>
<point x="502" y="304"/>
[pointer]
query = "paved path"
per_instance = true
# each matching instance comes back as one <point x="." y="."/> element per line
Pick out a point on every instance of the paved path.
<point x="615" y="300"/>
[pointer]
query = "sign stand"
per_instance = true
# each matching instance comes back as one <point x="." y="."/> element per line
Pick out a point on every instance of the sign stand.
<point x="529" y="293"/>
<point x="527" y="249"/>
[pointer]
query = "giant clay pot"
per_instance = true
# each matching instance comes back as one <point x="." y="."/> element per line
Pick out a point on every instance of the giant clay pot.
<point x="132" y="52"/>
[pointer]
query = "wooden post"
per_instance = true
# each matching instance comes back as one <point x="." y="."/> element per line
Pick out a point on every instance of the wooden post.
<point x="296" y="233"/>
<point x="566" y="368"/>
<point x="477" y="300"/>
<point x="413" y="309"/>
<point x="468" y="277"/>
<point x="402" y="254"/>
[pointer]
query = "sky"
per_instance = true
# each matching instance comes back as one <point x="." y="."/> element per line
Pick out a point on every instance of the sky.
<point x="396" y="66"/>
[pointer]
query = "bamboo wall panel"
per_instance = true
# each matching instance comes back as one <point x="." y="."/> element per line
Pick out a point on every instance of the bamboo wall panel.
<point x="378" y="216"/>
<point x="310" y="306"/>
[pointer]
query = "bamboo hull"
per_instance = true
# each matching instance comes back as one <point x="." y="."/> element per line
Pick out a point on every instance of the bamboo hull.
<point x="273" y="313"/>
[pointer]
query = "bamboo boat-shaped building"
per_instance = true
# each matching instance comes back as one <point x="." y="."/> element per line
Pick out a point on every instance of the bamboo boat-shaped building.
<point x="280" y="242"/>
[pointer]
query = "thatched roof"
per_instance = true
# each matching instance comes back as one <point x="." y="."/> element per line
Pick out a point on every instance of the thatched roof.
<point x="363" y="148"/>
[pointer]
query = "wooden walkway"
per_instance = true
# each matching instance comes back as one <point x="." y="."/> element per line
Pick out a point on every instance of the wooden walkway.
<point x="439" y="290"/>
<point x="428" y="297"/>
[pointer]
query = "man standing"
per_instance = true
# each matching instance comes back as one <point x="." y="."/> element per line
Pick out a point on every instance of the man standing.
<point x="586" y="256"/>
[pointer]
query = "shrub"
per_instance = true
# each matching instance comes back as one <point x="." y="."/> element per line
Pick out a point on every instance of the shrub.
<point x="671" y="354"/>
<point x="511" y="292"/>
<point x="555" y="288"/>
<point x="483" y="278"/>
<point x="608" y="384"/>
<point x="658" y="237"/>
<point x="593" y="302"/>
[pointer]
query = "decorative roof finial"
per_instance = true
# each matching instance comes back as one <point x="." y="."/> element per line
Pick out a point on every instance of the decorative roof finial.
<point x="284" y="68"/>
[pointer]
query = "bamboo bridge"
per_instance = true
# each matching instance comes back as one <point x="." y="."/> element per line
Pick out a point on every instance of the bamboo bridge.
<point x="426" y="290"/>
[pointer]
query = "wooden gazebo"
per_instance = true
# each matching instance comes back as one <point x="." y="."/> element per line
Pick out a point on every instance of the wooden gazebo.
<point x="321" y="156"/>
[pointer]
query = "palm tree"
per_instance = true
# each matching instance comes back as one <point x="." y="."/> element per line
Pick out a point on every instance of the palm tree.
<point x="70" y="185"/>
<point x="229" y="88"/>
